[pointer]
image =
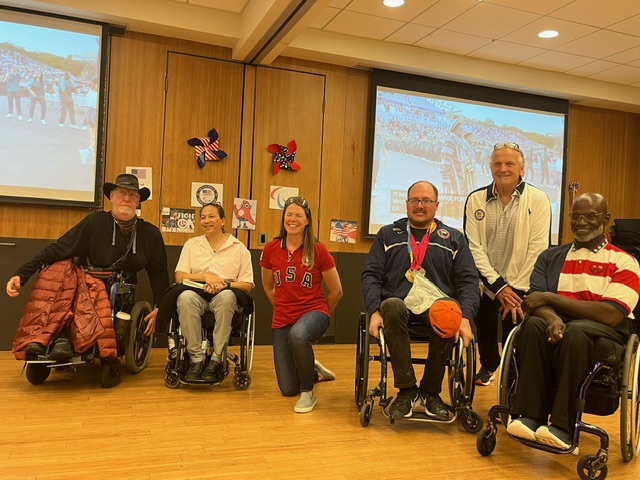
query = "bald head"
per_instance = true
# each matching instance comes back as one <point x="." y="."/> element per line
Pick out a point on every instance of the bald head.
<point x="595" y="200"/>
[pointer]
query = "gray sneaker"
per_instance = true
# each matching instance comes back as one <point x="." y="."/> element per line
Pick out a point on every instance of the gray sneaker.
<point x="324" y="374"/>
<point x="305" y="403"/>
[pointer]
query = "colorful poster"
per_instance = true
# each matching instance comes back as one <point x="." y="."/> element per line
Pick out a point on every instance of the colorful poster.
<point x="343" y="231"/>
<point x="178" y="220"/>
<point x="279" y="195"/>
<point x="244" y="214"/>
<point x="145" y="178"/>
<point x="203" y="193"/>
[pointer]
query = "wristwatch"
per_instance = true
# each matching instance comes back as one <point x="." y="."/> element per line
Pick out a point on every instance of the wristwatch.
<point x="228" y="283"/>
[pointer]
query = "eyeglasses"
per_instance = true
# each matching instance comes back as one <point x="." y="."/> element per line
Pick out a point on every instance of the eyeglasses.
<point x="298" y="201"/>
<point x="589" y="217"/>
<point x="413" y="201"/>
<point x="128" y="194"/>
<point x="513" y="145"/>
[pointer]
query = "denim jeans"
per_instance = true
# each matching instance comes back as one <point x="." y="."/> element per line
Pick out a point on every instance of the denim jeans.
<point x="293" y="352"/>
<point x="396" y="317"/>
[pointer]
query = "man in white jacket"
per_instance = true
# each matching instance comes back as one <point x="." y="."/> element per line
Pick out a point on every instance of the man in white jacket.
<point x="507" y="225"/>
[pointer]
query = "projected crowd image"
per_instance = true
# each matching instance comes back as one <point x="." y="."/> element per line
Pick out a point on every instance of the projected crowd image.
<point x="448" y="142"/>
<point x="49" y="82"/>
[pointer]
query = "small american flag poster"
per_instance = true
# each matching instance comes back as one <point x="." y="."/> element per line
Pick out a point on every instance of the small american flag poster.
<point x="343" y="231"/>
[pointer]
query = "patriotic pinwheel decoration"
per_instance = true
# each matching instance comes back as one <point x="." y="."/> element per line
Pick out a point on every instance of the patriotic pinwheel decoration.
<point x="284" y="157"/>
<point x="207" y="148"/>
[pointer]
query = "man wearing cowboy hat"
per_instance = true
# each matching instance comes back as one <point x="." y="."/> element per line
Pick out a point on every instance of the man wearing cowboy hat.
<point x="115" y="239"/>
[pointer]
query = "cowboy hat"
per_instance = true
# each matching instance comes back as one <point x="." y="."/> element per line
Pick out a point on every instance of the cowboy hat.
<point x="128" y="181"/>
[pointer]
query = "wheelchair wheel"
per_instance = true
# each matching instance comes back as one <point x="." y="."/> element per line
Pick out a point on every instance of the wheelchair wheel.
<point x="362" y="362"/>
<point x="366" y="411"/>
<point x="241" y="381"/>
<point x="471" y="420"/>
<point x="460" y="374"/>
<point x="507" y="374"/>
<point x="249" y="339"/>
<point x="586" y="471"/>
<point x="37" y="373"/>
<point x="172" y="380"/>
<point x="486" y="442"/>
<point x="138" y="345"/>
<point x="630" y="402"/>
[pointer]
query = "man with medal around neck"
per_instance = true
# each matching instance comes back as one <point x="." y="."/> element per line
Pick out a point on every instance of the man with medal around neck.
<point x="418" y="243"/>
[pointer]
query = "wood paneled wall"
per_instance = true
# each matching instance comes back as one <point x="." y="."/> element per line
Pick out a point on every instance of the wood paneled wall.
<point x="602" y="144"/>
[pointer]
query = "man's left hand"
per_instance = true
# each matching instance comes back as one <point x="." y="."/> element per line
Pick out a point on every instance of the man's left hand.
<point x="151" y="322"/>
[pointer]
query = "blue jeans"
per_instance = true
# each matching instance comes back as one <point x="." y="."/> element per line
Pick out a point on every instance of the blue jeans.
<point x="293" y="352"/>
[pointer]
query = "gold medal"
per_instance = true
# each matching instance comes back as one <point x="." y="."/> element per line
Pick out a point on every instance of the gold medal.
<point x="409" y="275"/>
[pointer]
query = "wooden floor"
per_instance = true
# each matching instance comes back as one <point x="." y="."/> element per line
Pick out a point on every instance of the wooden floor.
<point x="71" y="428"/>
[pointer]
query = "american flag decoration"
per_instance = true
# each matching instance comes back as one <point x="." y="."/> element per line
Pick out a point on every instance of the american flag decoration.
<point x="284" y="157"/>
<point x="343" y="231"/>
<point x="207" y="148"/>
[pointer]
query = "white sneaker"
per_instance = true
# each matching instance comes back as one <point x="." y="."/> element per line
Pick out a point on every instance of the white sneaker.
<point x="61" y="124"/>
<point x="306" y="403"/>
<point x="19" y="117"/>
<point x="324" y="374"/>
<point x="43" y="121"/>
<point x="523" y="427"/>
<point x="8" y="115"/>
<point x="29" y="120"/>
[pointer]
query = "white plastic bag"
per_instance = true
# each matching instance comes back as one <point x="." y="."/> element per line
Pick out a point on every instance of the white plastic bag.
<point x="422" y="294"/>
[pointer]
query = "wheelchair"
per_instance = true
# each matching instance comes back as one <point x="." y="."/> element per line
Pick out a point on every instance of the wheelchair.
<point x="242" y="330"/>
<point x="131" y="342"/>
<point x="612" y="382"/>
<point x="460" y="374"/>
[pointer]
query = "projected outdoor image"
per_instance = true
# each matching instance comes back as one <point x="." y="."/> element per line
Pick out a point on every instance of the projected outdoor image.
<point x="49" y="84"/>
<point x="448" y="142"/>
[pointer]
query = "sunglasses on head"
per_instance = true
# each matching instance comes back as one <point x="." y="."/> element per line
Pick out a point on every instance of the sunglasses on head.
<point x="513" y="145"/>
<point x="298" y="201"/>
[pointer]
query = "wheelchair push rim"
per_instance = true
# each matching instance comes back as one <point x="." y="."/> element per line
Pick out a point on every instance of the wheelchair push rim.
<point x="630" y="402"/>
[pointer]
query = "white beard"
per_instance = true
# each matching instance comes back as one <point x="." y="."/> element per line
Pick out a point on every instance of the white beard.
<point x="589" y="236"/>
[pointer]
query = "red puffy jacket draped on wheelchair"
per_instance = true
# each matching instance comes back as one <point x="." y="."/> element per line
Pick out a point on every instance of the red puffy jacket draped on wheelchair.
<point x="63" y="295"/>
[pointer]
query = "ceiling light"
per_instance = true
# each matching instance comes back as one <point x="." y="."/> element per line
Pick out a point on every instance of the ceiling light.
<point x="548" y="34"/>
<point x="393" y="3"/>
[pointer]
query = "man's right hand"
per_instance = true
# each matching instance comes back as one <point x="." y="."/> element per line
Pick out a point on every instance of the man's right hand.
<point x="13" y="285"/>
<point x="508" y="298"/>
<point x="375" y="323"/>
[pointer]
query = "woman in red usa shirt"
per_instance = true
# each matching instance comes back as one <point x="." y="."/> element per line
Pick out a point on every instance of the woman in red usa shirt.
<point x="294" y="265"/>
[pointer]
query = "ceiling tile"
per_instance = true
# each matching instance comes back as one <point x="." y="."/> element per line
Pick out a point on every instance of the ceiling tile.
<point x="592" y="67"/>
<point x="630" y="26"/>
<point x="405" y="13"/>
<point x="490" y="21"/>
<point x="556" y="61"/>
<point x="623" y="74"/>
<point x="443" y="12"/>
<point x="569" y="31"/>
<point x="409" y="34"/>
<point x="452" y="42"/>
<point x="236" y="6"/>
<point x="324" y="17"/>
<point x="627" y="56"/>
<point x="543" y="7"/>
<point x="598" y="12"/>
<point x="601" y="44"/>
<point x="360" y="25"/>
<point x="506" y="52"/>
<point x="339" y="3"/>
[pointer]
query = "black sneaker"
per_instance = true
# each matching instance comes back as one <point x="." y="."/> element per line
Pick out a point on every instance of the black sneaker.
<point x="214" y="372"/>
<point x="34" y="350"/>
<point x="194" y="372"/>
<point x="62" y="350"/>
<point x="435" y="407"/>
<point x="403" y="405"/>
